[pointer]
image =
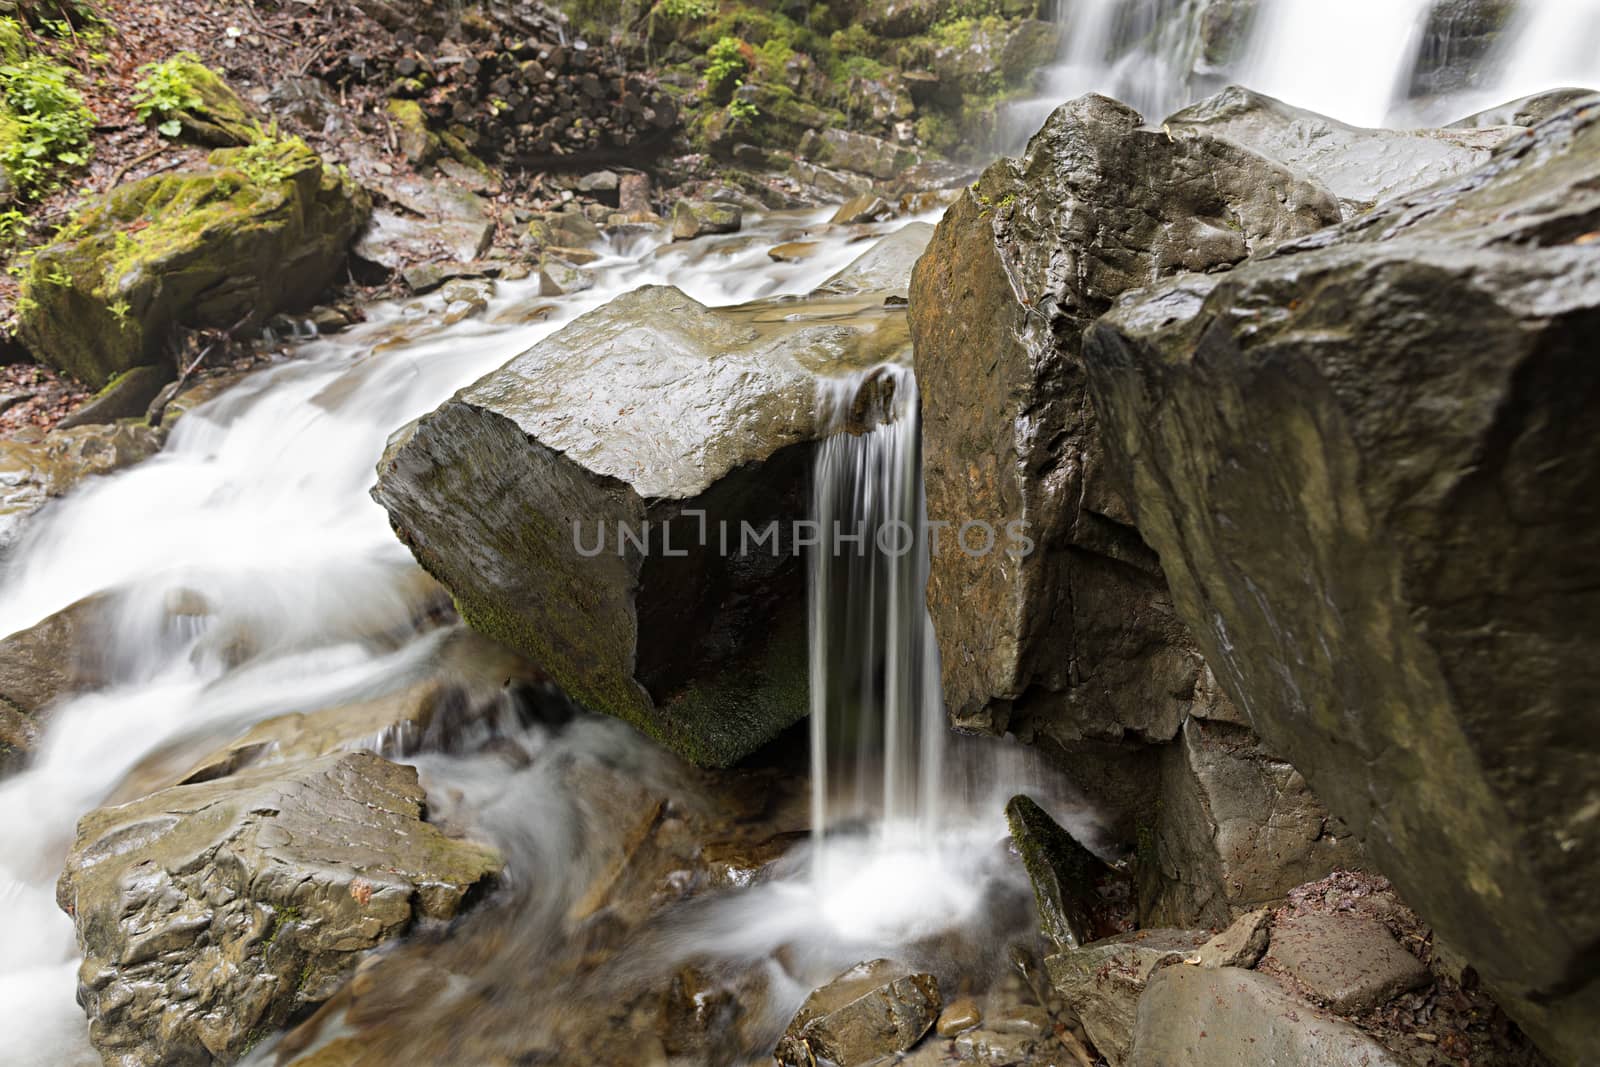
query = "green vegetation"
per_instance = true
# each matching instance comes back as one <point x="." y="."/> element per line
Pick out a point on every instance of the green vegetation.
<point x="743" y="110"/>
<point x="165" y="90"/>
<point x="44" y="125"/>
<point x="687" y="10"/>
<point x="728" y="65"/>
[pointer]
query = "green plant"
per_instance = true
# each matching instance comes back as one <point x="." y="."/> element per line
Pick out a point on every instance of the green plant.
<point x="690" y="10"/>
<point x="726" y="65"/>
<point x="740" y="108"/>
<point x="164" y="91"/>
<point x="13" y="225"/>
<point x="269" y="160"/>
<point x="44" y="125"/>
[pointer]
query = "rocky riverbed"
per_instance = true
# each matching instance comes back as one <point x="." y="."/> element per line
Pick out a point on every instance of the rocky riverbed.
<point x="426" y="635"/>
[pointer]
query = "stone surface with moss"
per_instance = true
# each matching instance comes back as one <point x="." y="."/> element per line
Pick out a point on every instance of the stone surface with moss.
<point x="259" y="230"/>
<point x="651" y="410"/>
<point x="204" y="108"/>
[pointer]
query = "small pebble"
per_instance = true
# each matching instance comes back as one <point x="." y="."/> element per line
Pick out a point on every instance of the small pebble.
<point x="960" y="1014"/>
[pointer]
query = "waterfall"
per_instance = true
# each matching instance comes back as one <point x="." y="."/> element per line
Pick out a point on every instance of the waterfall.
<point x="877" y="717"/>
<point x="1354" y="60"/>
<point x="1550" y="44"/>
<point x="1349" y="61"/>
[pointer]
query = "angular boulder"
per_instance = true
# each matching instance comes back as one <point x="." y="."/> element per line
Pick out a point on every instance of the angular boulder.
<point x="1238" y="828"/>
<point x="1062" y="871"/>
<point x="615" y="504"/>
<point x="1077" y="639"/>
<point x="1350" y="963"/>
<point x="259" y="230"/>
<point x="1370" y="466"/>
<point x="1359" y="166"/>
<point x="211" y="914"/>
<point x="872" y="1011"/>
<point x="697" y="218"/>
<point x="1102" y="982"/>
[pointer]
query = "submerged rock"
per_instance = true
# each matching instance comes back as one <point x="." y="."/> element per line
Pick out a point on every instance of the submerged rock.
<point x="210" y="914"/>
<point x="1359" y="166"/>
<point x="687" y="427"/>
<point x="869" y="1012"/>
<point x="1370" y="465"/>
<point x="260" y="230"/>
<point x="40" y="665"/>
<point x="1226" y="1016"/>
<point x="697" y="218"/>
<point x="34" y="472"/>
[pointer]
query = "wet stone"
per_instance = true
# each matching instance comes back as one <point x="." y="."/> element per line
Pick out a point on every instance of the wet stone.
<point x="959" y="1015"/>
<point x="873" y="1010"/>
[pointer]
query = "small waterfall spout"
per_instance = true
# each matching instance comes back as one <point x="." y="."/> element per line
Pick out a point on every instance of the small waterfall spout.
<point x="877" y="718"/>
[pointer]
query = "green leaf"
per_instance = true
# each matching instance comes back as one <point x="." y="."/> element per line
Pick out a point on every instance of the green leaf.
<point x="170" y="128"/>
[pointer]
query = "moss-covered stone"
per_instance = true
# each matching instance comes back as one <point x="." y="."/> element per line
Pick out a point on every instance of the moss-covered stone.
<point x="221" y="119"/>
<point x="1062" y="871"/>
<point x="259" y="230"/>
<point x="419" y="143"/>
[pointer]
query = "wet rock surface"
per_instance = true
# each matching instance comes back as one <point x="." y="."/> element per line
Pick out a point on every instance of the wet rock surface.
<point x="32" y="472"/>
<point x="250" y="899"/>
<point x="1076" y="645"/>
<point x="1413" y="631"/>
<point x="871" y="1011"/>
<point x="40" y="665"/>
<point x="1063" y="872"/>
<point x="1359" y="166"/>
<point x="707" y="416"/>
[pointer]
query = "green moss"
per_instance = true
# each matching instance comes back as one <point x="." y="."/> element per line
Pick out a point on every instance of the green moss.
<point x="183" y="97"/>
<point x="1062" y="871"/>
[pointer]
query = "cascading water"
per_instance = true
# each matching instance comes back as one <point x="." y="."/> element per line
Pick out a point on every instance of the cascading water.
<point x="877" y="717"/>
<point x="1349" y="60"/>
<point x="1353" y="61"/>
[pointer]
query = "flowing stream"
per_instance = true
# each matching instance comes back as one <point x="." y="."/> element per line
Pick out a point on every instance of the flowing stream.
<point x="253" y="529"/>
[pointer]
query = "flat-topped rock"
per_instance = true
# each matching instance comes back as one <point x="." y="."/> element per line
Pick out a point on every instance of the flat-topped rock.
<point x="1102" y="982"/>
<point x="691" y="429"/>
<point x="1349" y="962"/>
<point x="1227" y="1016"/>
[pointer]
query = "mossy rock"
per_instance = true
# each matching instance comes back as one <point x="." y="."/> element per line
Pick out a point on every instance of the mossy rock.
<point x="221" y="119"/>
<point x="419" y="143"/>
<point x="259" y="230"/>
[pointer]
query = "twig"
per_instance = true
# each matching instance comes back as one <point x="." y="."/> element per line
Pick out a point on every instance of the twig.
<point x="316" y="53"/>
<point x="122" y="171"/>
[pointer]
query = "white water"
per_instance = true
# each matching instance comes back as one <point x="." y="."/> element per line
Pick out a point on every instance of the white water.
<point x="258" y="507"/>
<point x="1552" y="43"/>
<point x="1351" y="59"/>
<point x="1348" y="60"/>
<point x="877" y="717"/>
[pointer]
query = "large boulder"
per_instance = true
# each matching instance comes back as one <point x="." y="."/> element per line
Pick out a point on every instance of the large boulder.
<point x="1237" y="828"/>
<point x="1370" y="466"/>
<point x="689" y="428"/>
<point x="1359" y="166"/>
<point x="211" y="914"/>
<point x="258" y="230"/>
<point x="1077" y="639"/>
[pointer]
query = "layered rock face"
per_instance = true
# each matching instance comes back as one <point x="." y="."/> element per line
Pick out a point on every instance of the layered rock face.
<point x="1077" y="644"/>
<point x="1369" y="465"/>
<point x="249" y="899"/>
<point x="616" y="503"/>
